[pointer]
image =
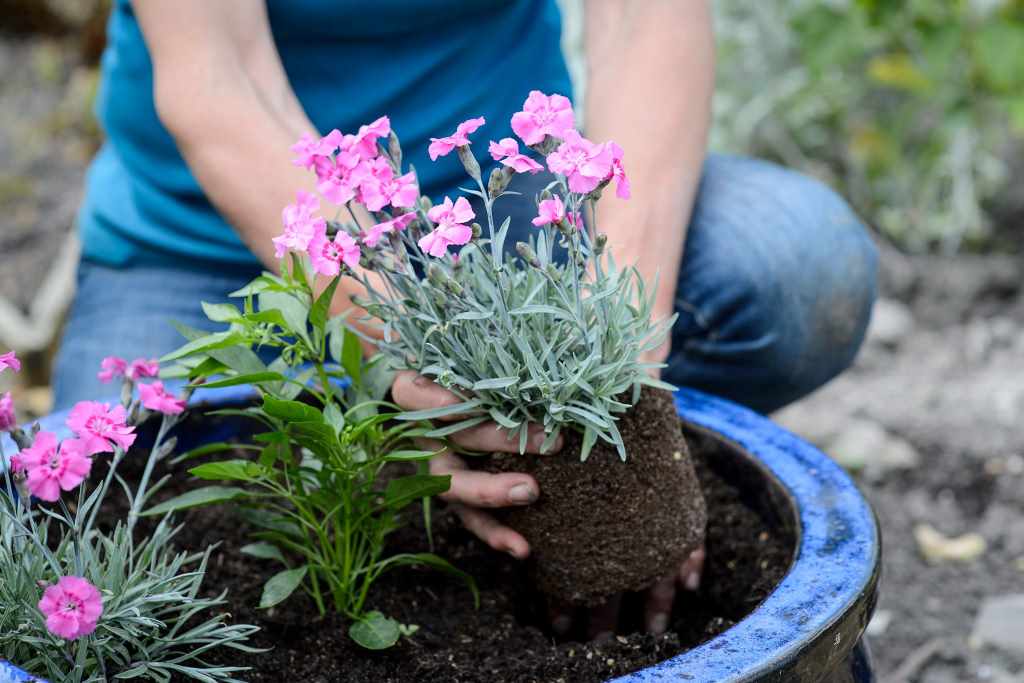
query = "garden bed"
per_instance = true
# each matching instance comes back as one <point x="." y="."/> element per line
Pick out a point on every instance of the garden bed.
<point x="750" y="545"/>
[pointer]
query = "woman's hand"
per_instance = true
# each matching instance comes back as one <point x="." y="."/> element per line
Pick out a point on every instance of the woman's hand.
<point x="473" y="492"/>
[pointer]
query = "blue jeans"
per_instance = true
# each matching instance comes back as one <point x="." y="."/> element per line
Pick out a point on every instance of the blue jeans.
<point x="774" y="292"/>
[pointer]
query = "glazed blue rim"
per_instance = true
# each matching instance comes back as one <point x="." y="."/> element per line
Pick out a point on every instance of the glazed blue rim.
<point x="820" y="608"/>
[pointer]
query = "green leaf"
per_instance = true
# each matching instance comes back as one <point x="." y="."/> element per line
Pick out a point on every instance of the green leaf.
<point x="495" y="383"/>
<point x="295" y="312"/>
<point x="352" y="355"/>
<point x="217" y="340"/>
<point x="221" y="313"/>
<point x="250" y="378"/>
<point x="264" y="551"/>
<point x="282" y="585"/>
<point x="228" y="470"/>
<point x="291" y="411"/>
<point x="1000" y="49"/>
<point x="318" y="313"/>
<point x="334" y="416"/>
<point x="208" y="495"/>
<point x="401" y="492"/>
<point x="255" y="287"/>
<point x="207" y="449"/>
<point x="375" y="631"/>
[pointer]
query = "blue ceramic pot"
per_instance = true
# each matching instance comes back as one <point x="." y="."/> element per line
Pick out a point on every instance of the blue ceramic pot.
<point x="810" y="628"/>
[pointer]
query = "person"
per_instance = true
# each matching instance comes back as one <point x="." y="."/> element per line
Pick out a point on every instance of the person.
<point x="771" y="273"/>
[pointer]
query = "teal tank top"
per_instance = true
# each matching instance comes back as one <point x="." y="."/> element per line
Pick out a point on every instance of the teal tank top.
<point x="428" y="64"/>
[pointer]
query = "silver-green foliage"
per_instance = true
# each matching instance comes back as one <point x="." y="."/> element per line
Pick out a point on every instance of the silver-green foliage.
<point x="528" y="339"/>
<point x="155" y="623"/>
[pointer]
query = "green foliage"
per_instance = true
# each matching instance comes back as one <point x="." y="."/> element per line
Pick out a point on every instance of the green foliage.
<point x="316" y="489"/>
<point x="909" y="108"/>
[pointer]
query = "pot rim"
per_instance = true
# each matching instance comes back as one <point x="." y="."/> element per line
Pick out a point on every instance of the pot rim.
<point x="821" y="606"/>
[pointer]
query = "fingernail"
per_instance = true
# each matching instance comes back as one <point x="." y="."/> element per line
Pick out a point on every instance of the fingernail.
<point x="659" y="622"/>
<point x="521" y="493"/>
<point x="422" y="381"/>
<point x="561" y="625"/>
<point x="692" y="581"/>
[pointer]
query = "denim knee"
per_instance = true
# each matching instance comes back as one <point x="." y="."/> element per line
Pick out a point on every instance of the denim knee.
<point x="776" y="289"/>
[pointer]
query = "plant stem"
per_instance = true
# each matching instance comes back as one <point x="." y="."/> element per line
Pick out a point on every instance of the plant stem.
<point x="140" y="493"/>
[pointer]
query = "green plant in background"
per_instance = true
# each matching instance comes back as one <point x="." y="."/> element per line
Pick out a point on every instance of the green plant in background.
<point x="314" y="488"/>
<point x="912" y="109"/>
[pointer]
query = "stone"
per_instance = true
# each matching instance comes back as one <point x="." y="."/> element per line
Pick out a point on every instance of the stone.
<point x="879" y="623"/>
<point x="891" y="322"/>
<point x="937" y="547"/>
<point x="1000" y="625"/>
<point x="866" y="445"/>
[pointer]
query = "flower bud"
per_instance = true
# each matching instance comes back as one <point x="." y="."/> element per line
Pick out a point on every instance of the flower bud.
<point x="425" y="203"/>
<point x="528" y="254"/>
<point x="477" y="230"/>
<point x="436" y="275"/>
<point x="469" y="162"/>
<point x="600" y="242"/>
<point x="395" y="149"/>
<point x="499" y="180"/>
<point x="545" y="194"/>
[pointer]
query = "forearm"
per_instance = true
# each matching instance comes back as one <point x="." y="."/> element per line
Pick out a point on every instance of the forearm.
<point x="239" y="153"/>
<point x="650" y="79"/>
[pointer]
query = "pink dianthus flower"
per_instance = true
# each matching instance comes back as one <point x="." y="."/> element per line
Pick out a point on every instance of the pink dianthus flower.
<point x="583" y="162"/>
<point x="339" y="178"/>
<point x="451" y="228"/>
<point x="507" y="152"/>
<point x="141" y="368"/>
<point x="51" y="467"/>
<point x="365" y="141"/>
<point x="327" y="255"/>
<point x="380" y="187"/>
<point x="543" y="115"/>
<point x="155" y="397"/>
<point x="7" y="419"/>
<point x="9" y="360"/>
<point x="440" y="147"/>
<point x="111" y="367"/>
<point x="372" y="236"/>
<point x="622" y="188"/>
<point x="100" y="427"/>
<point x="308" y="149"/>
<point x="300" y="224"/>
<point x="72" y="607"/>
<point x="549" y="211"/>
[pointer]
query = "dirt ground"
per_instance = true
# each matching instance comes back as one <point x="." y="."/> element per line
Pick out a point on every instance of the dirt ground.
<point x="929" y="419"/>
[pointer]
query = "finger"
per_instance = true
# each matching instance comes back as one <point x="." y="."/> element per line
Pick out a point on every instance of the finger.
<point x="692" y="570"/>
<point x="483" y="489"/>
<point x="413" y="391"/>
<point x="490" y="437"/>
<point x="603" y="620"/>
<point x="493" y="533"/>
<point x="658" y="605"/>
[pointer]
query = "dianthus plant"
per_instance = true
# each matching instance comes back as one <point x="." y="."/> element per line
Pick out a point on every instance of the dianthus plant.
<point x="331" y="472"/>
<point x="89" y="600"/>
<point x="556" y="336"/>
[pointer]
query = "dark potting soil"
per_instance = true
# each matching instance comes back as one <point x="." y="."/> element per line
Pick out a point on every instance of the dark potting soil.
<point x="507" y="638"/>
<point x="583" y="529"/>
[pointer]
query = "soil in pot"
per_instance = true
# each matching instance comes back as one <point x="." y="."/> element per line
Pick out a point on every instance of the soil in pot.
<point x="750" y="546"/>
<point x="605" y="526"/>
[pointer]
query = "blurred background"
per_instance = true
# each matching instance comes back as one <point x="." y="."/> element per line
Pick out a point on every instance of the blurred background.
<point x="913" y="109"/>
